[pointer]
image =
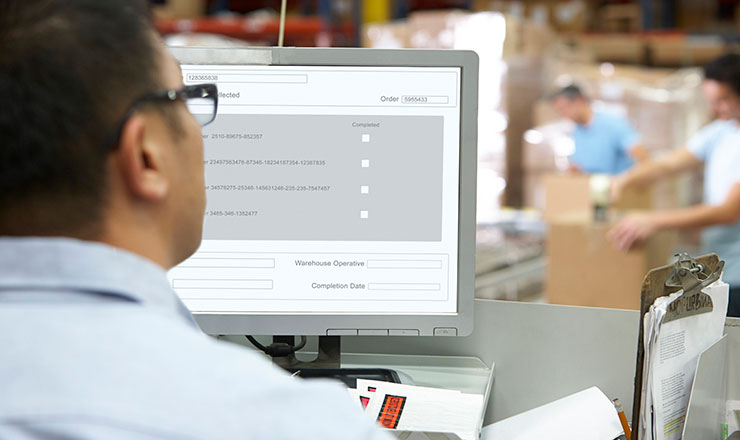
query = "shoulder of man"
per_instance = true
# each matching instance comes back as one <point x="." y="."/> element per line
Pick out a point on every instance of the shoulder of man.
<point x="288" y="407"/>
<point x="612" y="119"/>
<point x="708" y="136"/>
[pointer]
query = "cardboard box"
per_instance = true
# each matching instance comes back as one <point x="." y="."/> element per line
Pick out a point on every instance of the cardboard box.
<point x="534" y="190"/>
<point x="570" y="196"/>
<point x="544" y="113"/>
<point x="538" y="157"/>
<point x="570" y="16"/>
<point x="392" y="35"/>
<point x="696" y="15"/>
<point x="526" y="37"/>
<point x="546" y="148"/>
<point x="614" y="48"/>
<point x="669" y="111"/>
<point x="584" y="269"/>
<point x="435" y="29"/>
<point x="523" y="89"/>
<point x="683" y="50"/>
<point x="180" y="9"/>
<point x="620" y="18"/>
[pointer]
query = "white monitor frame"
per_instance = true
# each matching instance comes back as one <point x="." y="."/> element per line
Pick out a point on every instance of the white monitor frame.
<point x="460" y="323"/>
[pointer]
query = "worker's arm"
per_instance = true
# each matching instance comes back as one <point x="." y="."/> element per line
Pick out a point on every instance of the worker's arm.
<point x="693" y="155"/>
<point x="639" y="153"/>
<point x="636" y="228"/>
<point x="650" y="171"/>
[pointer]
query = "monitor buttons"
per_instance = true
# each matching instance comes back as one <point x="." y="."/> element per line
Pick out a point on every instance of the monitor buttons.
<point x="445" y="331"/>
<point x="341" y="332"/>
<point x="403" y="332"/>
<point x="372" y="332"/>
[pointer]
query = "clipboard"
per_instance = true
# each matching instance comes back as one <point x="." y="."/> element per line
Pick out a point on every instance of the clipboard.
<point x="687" y="273"/>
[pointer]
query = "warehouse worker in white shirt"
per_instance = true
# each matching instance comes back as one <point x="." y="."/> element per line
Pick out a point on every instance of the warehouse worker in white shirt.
<point x="716" y="147"/>
<point x="101" y="191"/>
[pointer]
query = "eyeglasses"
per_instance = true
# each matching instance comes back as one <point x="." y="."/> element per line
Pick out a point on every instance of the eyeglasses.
<point x="201" y="99"/>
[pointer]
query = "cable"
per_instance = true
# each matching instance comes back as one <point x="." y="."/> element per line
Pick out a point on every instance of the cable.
<point x="281" y="33"/>
<point x="256" y="343"/>
<point x="277" y="349"/>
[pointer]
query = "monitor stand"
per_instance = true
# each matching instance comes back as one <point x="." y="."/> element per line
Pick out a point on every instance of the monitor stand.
<point x="327" y="364"/>
<point x="329" y="353"/>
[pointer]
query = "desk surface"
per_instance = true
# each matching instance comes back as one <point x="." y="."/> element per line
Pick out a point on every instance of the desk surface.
<point x="541" y="352"/>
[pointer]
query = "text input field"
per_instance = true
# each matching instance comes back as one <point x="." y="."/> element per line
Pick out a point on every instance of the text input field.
<point x="221" y="284"/>
<point x="404" y="264"/>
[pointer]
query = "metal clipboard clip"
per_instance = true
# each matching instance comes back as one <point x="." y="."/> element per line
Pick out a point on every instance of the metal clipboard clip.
<point x="692" y="277"/>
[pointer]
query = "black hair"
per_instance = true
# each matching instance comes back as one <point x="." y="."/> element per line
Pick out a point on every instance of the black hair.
<point x="570" y="92"/>
<point x="69" y="69"/>
<point x="726" y="70"/>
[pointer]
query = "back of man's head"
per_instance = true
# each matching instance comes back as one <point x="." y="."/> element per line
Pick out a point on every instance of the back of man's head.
<point x="725" y="70"/>
<point x="570" y="92"/>
<point x="570" y="103"/>
<point x="69" y="69"/>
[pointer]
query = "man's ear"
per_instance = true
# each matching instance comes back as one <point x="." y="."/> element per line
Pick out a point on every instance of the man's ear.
<point x="140" y="159"/>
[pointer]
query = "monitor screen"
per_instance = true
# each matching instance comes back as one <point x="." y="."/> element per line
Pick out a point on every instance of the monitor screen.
<point x="333" y="191"/>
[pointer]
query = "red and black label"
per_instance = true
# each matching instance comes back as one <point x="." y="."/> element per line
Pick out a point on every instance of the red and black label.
<point x="365" y="401"/>
<point x="390" y="411"/>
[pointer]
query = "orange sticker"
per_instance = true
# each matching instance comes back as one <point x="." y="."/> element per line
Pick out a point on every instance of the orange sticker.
<point x="390" y="411"/>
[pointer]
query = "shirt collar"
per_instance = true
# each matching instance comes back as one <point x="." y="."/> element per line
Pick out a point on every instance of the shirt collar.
<point x="590" y="121"/>
<point x="87" y="267"/>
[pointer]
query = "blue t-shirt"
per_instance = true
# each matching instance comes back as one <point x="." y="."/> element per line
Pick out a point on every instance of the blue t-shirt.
<point x="718" y="146"/>
<point x="603" y="145"/>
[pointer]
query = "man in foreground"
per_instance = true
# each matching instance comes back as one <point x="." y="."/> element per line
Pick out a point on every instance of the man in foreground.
<point x="101" y="191"/>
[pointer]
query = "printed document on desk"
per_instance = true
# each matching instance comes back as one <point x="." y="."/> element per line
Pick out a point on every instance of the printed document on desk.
<point x="672" y="348"/>
<point x="588" y="414"/>
<point x="428" y="413"/>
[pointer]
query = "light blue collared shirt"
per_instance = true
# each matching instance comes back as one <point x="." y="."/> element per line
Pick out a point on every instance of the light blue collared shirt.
<point x="94" y="344"/>
<point x="603" y="145"/>
<point x="718" y="146"/>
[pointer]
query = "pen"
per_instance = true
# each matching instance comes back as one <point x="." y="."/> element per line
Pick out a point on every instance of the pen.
<point x="622" y="418"/>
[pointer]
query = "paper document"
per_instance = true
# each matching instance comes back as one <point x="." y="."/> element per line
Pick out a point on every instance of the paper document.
<point x="732" y="419"/>
<point x="430" y="410"/>
<point x="678" y="328"/>
<point x="588" y="414"/>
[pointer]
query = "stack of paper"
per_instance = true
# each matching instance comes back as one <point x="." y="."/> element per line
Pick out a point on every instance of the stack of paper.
<point x="732" y="420"/>
<point x="588" y="414"/>
<point x="672" y="348"/>
<point x="412" y="408"/>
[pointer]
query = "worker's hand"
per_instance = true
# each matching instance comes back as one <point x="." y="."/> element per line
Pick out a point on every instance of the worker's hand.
<point x="631" y="230"/>
<point x="616" y="189"/>
<point x="574" y="169"/>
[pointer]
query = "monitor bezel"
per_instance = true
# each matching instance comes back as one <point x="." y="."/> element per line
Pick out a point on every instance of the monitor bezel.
<point x="322" y="324"/>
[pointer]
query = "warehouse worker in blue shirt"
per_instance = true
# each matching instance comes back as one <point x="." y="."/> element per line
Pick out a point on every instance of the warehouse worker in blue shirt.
<point x="101" y="191"/>
<point x="716" y="148"/>
<point x="604" y="143"/>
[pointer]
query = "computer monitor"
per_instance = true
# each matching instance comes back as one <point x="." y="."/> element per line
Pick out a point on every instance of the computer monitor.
<point x="340" y="192"/>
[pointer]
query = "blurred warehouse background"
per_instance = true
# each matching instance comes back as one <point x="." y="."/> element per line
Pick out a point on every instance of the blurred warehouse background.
<point x="537" y="237"/>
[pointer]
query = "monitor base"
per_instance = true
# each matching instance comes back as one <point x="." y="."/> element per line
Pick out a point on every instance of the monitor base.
<point x="327" y="364"/>
<point x="329" y="354"/>
<point x="349" y="376"/>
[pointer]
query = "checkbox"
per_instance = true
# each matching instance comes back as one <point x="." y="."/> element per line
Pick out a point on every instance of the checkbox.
<point x="363" y="214"/>
<point x="364" y="189"/>
<point x="365" y="138"/>
<point x="365" y="163"/>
